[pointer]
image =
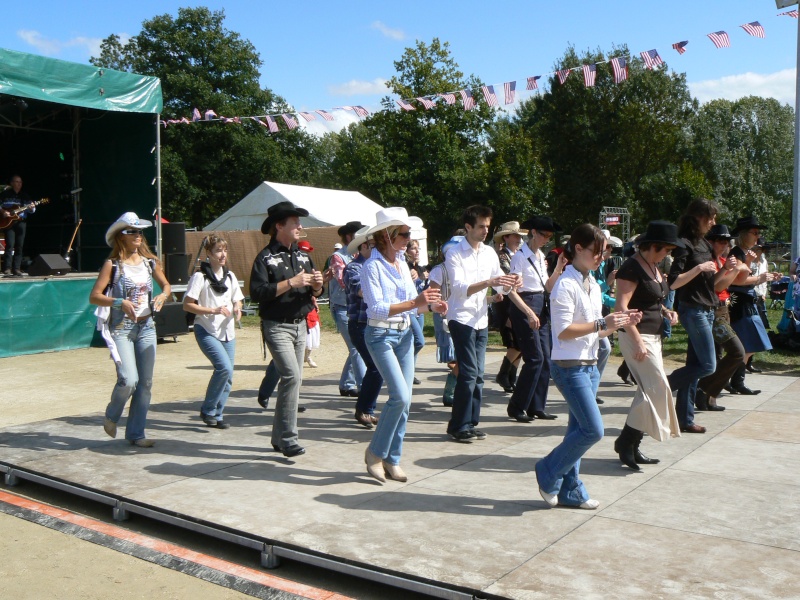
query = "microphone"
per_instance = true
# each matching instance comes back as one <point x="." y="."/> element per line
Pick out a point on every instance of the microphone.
<point x="76" y="191"/>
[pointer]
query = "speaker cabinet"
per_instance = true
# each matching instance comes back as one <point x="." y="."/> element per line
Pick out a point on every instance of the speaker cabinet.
<point x="177" y="268"/>
<point x="173" y="238"/>
<point x="49" y="264"/>
<point x="171" y="320"/>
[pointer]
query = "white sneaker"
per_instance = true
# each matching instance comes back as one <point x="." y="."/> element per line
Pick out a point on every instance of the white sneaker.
<point x="310" y="361"/>
<point x="551" y="499"/>
<point x="590" y="504"/>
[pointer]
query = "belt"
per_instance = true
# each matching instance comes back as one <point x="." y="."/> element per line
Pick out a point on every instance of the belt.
<point x="398" y="325"/>
<point x="568" y="364"/>
<point x="289" y="320"/>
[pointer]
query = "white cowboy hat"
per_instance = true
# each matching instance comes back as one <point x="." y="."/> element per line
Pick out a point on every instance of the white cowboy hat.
<point x="508" y="229"/>
<point x="361" y="236"/>
<point x="613" y="240"/>
<point x="392" y="217"/>
<point x="129" y="219"/>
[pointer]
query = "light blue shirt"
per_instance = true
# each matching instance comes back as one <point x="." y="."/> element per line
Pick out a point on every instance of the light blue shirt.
<point x="383" y="285"/>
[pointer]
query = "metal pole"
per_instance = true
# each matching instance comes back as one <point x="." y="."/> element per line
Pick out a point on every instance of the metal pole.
<point x="158" y="186"/>
<point x="796" y="187"/>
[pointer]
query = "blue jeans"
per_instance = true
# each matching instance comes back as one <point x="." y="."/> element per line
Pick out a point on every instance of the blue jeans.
<point x="470" y="347"/>
<point x="417" y="324"/>
<point x="221" y="356"/>
<point x="701" y="359"/>
<point x="558" y="472"/>
<point x="136" y="344"/>
<point x="393" y="355"/>
<point x="530" y="393"/>
<point x="372" y="381"/>
<point x="603" y="352"/>
<point x="287" y="345"/>
<point x="353" y="370"/>
<point x="668" y="303"/>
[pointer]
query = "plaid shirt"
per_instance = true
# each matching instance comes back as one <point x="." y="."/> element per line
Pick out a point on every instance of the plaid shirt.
<point x="356" y="307"/>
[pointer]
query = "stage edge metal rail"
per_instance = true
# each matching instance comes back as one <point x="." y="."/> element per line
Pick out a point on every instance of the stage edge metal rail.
<point x="271" y="553"/>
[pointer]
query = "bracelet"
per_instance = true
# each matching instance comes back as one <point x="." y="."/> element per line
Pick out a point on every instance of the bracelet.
<point x="117" y="303"/>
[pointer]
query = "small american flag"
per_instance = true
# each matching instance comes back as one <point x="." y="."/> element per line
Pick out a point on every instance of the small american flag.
<point x="449" y="98"/>
<point x="651" y="59"/>
<point x="488" y="94"/>
<point x="589" y="75"/>
<point x="680" y="46"/>
<point x="720" y="39"/>
<point x="755" y="29"/>
<point x="620" y="67"/>
<point x="789" y="13"/>
<point x="209" y="114"/>
<point x="532" y="85"/>
<point x="428" y="104"/>
<point x="273" y="126"/>
<point x="307" y="116"/>
<point x="562" y="75"/>
<point x="469" y="101"/>
<point x="344" y="108"/>
<point x="361" y="111"/>
<point x="509" y="88"/>
<point x="325" y="115"/>
<point x="289" y="120"/>
<point x="195" y="115"/>
<point x="405" y="105"/>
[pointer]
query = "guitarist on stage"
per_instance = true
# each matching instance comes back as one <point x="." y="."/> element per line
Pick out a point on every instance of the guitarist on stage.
<point x="10" y="199"/>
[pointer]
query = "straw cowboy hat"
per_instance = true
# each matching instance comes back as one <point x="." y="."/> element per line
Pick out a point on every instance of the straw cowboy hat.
<point x="362" y="235"/>
<point x="279" y="211"/>
<point x="393" y="216"/>
<point x="508" y="229"/>
<point x="129" y="219"/>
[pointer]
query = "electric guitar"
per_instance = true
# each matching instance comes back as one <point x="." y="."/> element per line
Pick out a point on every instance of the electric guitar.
<point x="6" y="222"/>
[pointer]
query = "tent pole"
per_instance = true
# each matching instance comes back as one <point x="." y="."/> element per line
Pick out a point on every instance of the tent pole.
<point x="158" y="186"/>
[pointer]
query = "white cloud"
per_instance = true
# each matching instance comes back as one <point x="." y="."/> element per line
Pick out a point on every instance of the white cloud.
<point x="52" y="47"/>
<point x="779" y="85"/>
<point x="394" y="34"/>
<point x="355" y="87"/>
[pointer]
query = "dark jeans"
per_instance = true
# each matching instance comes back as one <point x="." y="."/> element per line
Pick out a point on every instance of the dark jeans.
<point x="727" y="363"/>
<point x="372" y="380"/>
<point x="470" y="347"/>
<point x="15" y="238"/>
<point x="534" y="378"/>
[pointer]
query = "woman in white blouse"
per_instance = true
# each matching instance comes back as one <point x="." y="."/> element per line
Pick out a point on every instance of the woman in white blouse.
<point x="577" y="325"/>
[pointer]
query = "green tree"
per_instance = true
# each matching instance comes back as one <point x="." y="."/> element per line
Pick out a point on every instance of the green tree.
<point x="208" y="166"/>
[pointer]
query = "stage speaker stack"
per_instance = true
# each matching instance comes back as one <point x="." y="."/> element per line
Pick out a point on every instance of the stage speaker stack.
<point x="173" y="246"/>
<point x="170" y="321"/>
<point x="45" y="265"/>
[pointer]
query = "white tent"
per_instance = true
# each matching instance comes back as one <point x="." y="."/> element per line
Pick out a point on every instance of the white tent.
<point x="325" y="207"/>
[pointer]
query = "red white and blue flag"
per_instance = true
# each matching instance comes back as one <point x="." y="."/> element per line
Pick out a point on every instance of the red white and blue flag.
<point x="488" y="95"/>
<point x="449" y="98"/>
<point x="589" y="75"/>
<point x="720" y="39"/>
<point x="325" y="115"/>
<point x="789" y="13"/>
<point x="195" y="115"/>
<point x="209" y="114"/>
<point x="469" y="101"/>
<point x="405" y="105"/>
<point x="681" y="46"/>
<point x="651" y="58"/>
<point x="509" y="89"/>
<point x="532" y="85"/>
<point x="755" y="29"/>
<point x="428" y="104"/>
<point x="361" y="111"/>
<point x="289" y="120"/>
<point x="619" y="66"/>
<point x="308" y="116"/>
<point x="562" y="75"/>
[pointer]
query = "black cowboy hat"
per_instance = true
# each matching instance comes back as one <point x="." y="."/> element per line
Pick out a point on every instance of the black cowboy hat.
<point x="541" y="223"/>
<point x="349" y="227"/>
<point x="745" y="223"/>
<point x="718" y="232"/>
<point x="661" y="232"/>
<point x="279" y="211"/>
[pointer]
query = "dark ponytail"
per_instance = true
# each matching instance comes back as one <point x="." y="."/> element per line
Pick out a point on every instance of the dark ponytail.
<point x="585" y="236"/>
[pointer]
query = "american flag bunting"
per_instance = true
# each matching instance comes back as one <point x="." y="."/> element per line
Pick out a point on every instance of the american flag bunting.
<point x="469" y="101"/>
<point x="209" y="114"/>
<point x="289" y="120"/>
<point x="789" y="13"/>
<point x="532" y="85"/>
<point x="307" y="116"/>
<point x="272" y="125"/>
<point x="651" y="58"/>
<point x="489" y="95"/>
<point x="619" y="66"/>
<point x="755" y="29"/>
<point x="681" y="46"/>
<point x="449" y="98"/>
<point x="427" y="103"/>
<point x="509" y="89"/>
<point x="324" y="114"/>
<point x="589" y="75"/>
<point x="405" y="105"/>
<point x="720" y="39"/>
<point x="361" y="111"/>
<point x="195" y="115"/>
<point x="562" y="75"/>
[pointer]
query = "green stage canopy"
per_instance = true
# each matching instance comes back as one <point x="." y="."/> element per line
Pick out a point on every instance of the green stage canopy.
<point x="40" y="78"/>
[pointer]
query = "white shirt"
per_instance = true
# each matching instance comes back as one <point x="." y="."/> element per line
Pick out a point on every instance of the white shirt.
<point x="220" y="326"/>
<point x="533" y="279"/>
<point x="570" y="303"/>
<point x="466" y="266"/>
<point x="137" y="284"/>
<point x="758" y="268"/>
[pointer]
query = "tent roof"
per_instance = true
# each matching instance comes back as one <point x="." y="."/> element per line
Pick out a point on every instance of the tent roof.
<point x="41" y="78"/>
<point x="325" y="207"/>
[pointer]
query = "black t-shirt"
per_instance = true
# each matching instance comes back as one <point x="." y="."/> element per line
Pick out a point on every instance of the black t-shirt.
<point x="647" y="297"/>
<point x="700" y="290"/>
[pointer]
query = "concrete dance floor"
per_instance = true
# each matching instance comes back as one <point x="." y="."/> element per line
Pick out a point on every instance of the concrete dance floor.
<point x="716" y="519"/>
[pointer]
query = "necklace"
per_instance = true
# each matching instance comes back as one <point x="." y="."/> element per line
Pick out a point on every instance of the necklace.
<point x="652" y="266"/>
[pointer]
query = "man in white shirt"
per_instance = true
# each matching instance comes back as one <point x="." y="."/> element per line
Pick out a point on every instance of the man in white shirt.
<point x="472" y="268"/>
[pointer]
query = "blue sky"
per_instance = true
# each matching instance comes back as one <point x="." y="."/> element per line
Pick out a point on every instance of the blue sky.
<point x="319" y="55"/>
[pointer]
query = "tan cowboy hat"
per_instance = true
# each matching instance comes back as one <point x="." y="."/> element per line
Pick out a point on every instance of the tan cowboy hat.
<point x="129" y="219"/>
<point x="362" y="235"/>
<point x="507" y="229"/>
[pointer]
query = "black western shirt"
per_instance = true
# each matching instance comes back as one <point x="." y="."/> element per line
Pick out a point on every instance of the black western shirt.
<point x="274" y="264"/>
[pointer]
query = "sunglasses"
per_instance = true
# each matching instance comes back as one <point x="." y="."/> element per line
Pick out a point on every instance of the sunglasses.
<point x="132" y="232"/>
<point x="406" y="235"/>
<point x="545" y="234"/>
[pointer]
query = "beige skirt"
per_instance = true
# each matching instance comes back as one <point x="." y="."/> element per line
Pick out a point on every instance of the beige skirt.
<point x="653" y="407"/>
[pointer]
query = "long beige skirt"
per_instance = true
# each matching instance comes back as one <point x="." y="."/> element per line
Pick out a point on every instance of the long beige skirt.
<point x="653" y="407"/>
